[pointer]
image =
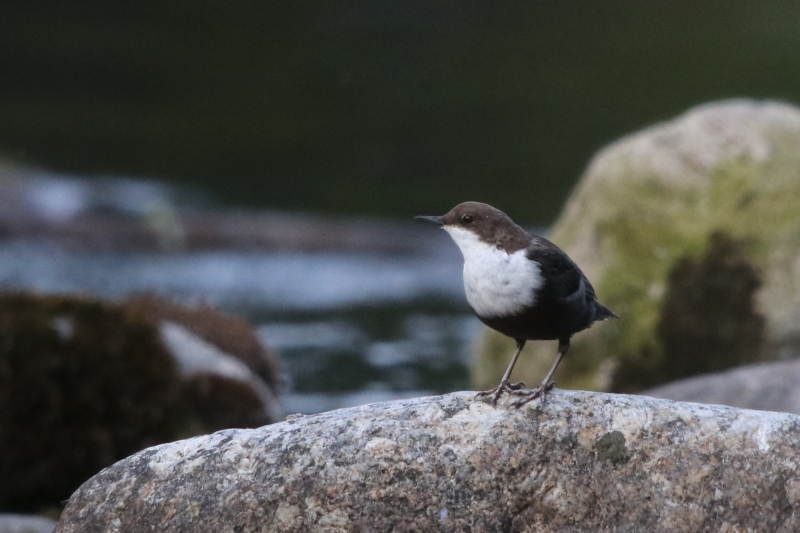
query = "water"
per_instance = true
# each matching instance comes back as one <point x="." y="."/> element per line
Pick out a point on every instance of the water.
<point x="351" y="328"/>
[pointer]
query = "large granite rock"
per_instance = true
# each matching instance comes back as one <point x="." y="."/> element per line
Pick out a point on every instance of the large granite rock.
<point x="582" y="462"/>
<point x="766" y="387"/>
<point x="689" y="231"/>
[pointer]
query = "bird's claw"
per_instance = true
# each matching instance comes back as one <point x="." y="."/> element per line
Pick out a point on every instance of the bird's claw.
<point x="539" y="392"/>
<point x="505" y="386"/>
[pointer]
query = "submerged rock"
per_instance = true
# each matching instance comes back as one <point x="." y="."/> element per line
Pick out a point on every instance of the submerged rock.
<point x="689" y="231"/>
<point x="580" y="462"/>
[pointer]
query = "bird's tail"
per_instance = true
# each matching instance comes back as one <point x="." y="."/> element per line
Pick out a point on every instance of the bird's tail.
<point x="602" y="312"/>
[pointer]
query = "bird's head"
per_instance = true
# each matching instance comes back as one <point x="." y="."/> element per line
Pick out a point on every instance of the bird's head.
<point x="475" y="221"/>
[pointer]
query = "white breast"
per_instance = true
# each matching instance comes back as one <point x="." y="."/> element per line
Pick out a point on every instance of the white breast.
<point x="496" y="283"/>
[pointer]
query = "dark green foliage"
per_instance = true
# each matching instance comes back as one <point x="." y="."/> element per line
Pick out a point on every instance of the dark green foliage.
<point x="708" y="322"/>
<point x="378" y="106"/>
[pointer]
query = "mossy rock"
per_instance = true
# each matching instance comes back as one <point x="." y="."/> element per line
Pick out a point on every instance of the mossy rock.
<point x="84" y="383"/>
<point x="232" y="334"/>
<point x="689" y="230"/>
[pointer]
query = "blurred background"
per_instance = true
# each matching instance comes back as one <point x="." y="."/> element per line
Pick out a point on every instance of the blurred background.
<point x="261" y="161"/>
<point x="386" y="108"/>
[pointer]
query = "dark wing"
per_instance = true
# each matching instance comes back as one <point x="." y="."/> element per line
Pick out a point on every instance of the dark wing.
<point x="562" y="274"/>
<point x="565" y="280"/>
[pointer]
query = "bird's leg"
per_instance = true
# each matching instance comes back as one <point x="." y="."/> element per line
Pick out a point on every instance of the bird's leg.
<point x="505" y="385"/>
<point x="544" y="388"/>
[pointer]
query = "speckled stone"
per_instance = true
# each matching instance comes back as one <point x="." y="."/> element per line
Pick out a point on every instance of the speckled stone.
<point x="582" y="462"/>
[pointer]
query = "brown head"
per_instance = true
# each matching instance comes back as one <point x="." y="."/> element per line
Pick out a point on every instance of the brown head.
<point x="490" y="225"/>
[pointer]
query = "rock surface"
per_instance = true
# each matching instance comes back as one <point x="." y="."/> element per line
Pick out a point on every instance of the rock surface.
<point x="689" y="230"/>
<point x="580" y="462"/>
<point x="766" y="387"/>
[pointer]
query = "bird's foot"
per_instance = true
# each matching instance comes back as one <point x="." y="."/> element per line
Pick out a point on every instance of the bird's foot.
<point x="495" y="393"/>
<point x="539" y="392"/>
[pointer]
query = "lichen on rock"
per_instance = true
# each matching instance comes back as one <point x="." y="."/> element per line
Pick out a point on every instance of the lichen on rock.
<point x="722" y="177"/>
<point x="579" y="462"/>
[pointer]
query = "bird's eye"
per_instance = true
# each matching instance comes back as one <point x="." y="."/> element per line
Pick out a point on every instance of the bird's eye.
<point x="466" y="219"/>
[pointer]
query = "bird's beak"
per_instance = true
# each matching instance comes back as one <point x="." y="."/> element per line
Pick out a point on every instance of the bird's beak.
<point x="432" y="220"/>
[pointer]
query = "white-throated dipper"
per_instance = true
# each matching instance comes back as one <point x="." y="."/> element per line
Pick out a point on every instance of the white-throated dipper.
<point x="519" y="284"/>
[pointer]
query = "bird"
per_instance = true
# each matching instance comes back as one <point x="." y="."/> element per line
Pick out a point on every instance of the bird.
<point x="519" y="284"/>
